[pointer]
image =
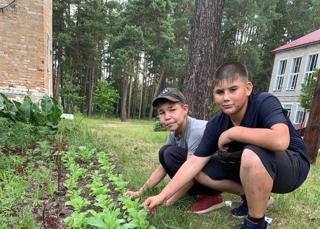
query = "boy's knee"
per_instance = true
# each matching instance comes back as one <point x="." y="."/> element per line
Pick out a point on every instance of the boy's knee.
<point x="201" y="177"/>
<point x="249" y="159"/>
<point x="165" y="151"/>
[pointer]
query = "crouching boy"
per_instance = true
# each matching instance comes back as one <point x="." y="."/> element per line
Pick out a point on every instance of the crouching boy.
<point x="185" y="135"/>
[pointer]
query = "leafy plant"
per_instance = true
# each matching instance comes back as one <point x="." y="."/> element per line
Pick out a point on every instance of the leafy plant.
<point x="106" y="219"/>
<point x="77" y="220"/>
<point x="77" y="202"/>
<point x="45" y="113"/>
<point x="307" y="90"/>
<point x="86" y="153"/>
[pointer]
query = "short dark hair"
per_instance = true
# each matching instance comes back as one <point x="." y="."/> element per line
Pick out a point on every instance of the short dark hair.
<point x="230" y="71"/>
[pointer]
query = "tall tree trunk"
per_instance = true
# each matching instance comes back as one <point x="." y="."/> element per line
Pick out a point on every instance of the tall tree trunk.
<point x="141" y="97"/>
<point x="124" y="95"/>
<point x="135" y="98"/>
<point x="90" y="91"/>
<point x="58" y="77"/>
<point x="130" y="96"/>
<point x="84" y="75"/>
<point x="143" y="86"/>
<point x="157" y="90"/>
<point x="145" y="97"/>
<point x="202" y="56"/>
<point x="312" y="134"/>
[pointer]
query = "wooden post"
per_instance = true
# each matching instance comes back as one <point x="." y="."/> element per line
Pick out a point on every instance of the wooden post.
<point x="312" y="134"/>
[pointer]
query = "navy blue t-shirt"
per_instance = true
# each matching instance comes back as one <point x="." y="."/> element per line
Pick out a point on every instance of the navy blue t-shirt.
<point x="263" y="111"/>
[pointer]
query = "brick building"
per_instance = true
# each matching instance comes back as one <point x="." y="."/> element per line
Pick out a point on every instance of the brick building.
<point x="26" y="48"/>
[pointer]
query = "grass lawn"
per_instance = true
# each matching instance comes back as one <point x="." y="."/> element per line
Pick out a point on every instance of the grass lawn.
<point x="134" y="148"/>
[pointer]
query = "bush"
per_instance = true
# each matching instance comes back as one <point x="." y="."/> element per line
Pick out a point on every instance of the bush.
<point x="105" y="98"/>
<point x="19" y="135"/>
<point x="158" y="126"/>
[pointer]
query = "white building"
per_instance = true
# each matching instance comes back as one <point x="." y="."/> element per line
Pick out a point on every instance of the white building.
<point x="293" y="63"/>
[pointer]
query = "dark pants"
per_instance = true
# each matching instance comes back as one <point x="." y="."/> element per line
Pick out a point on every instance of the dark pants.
<point x="171" y="158"/>
<point x="287" y="169"/>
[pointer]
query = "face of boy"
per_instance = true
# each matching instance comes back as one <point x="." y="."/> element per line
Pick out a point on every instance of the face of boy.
<point x="173" y="116"/>
<point x="232" y="97"/>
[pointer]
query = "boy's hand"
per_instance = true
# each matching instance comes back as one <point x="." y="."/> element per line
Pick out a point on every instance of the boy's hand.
<point x="132" y="194"/>
<point x="224" y="139"/>
<point x="152" y="202"/>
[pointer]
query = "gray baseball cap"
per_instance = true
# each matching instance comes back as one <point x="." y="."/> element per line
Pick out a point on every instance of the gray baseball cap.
<point x="171" y="94"/>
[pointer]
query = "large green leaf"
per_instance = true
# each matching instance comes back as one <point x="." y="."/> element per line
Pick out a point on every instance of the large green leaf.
<point x="46" y="112"/>
<point x="46" y="105"/>
<point x="25" y="110"/>
<point x="9" y="109"/>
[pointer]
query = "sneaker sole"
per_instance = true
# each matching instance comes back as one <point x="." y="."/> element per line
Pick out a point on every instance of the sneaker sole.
<point x="239" y="216"/>
<point x="270" y="202"/>
<point x="217" y="206"/>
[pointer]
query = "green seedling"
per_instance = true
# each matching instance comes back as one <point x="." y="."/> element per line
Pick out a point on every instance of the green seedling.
<point x="78" y="203"/>
<point x="106" y="220"/>
<point x="77" y="220"/>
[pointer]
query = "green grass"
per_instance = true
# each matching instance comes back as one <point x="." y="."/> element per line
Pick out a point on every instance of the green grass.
<point x="21" y="189"/>
<point x="134" y="146"/>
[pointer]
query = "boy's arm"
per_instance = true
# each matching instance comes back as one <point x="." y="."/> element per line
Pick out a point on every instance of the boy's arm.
<point x="157" y="175"/>
<point x="275" y="139"/>
<point x="185" y="174"/>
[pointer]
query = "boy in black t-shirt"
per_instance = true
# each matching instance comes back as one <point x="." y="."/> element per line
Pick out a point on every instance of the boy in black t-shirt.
<point x="274" y="157"/>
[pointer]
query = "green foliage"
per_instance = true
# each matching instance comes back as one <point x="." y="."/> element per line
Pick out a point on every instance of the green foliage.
<point x="68" y="131"/>
<point x="71" y="96"/>
<point x="45" y="113"/>
<point x="102" y="210"/>
<point x="105" y="97"/>
<point x="307" y="90"/>
<point x="19" y="136"/>
<point x="21" y="187"/>
<point x="158" y="126"/>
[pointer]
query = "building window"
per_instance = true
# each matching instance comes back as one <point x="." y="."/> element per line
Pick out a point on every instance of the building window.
<point x="311" y="65"/>
<point x="294" y="73"/>
<point x="280" y="75"/>
<point x="287" y="107"/>
<point x="300" y="115"/>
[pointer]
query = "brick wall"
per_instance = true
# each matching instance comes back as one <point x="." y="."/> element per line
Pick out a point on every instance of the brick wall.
<point x="26" y="48"/>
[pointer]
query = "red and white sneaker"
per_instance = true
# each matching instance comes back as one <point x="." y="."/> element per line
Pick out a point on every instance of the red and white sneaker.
<point x="206" y="203"/>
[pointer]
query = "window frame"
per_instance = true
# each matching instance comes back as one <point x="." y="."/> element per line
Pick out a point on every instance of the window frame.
<point x="294" y="75"/>
<point x="307" y="73"/>
<point x="286" y="104"/>
<point x="296" y="115"/>
<point x="279" y="77"/>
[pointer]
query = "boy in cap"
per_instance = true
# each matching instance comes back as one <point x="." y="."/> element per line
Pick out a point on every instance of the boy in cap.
<point x="185" y="135"/>
<point x="274" y="157"/>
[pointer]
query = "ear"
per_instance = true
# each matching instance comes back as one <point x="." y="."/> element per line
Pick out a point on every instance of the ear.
<point x="185" y="107"/>
<point x="249" y="88"/>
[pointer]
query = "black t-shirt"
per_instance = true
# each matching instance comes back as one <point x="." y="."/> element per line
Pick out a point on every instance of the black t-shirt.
<point x="263" y="111"/>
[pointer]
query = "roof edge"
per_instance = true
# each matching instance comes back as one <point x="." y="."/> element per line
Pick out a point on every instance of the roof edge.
<point x="294" y="47"/>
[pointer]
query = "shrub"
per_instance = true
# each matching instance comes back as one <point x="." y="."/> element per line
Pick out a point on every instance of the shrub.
<point x="105" y="98"/>
<point x="158" y="126"/>
<point x="19" y="135"/>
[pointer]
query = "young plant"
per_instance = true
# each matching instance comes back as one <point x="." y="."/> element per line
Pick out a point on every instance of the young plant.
<point x="106" y="219"/>
<point x="77" y="220"/>
<point x="78" y="202"/>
